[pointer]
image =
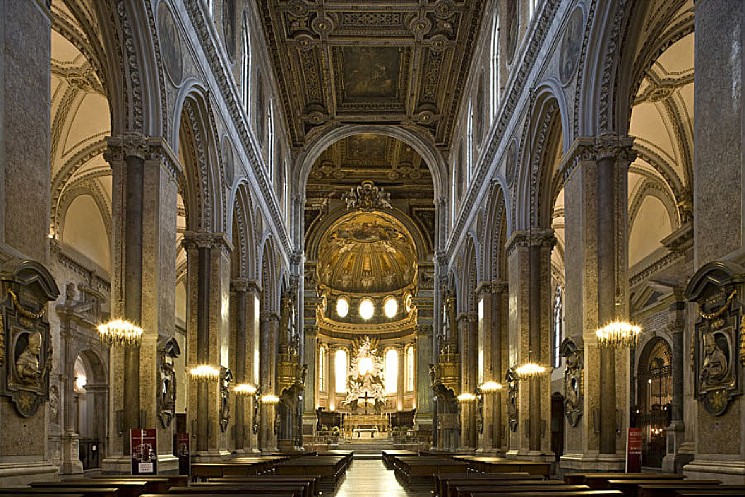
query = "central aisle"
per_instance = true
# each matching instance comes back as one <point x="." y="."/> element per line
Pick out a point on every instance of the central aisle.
<point x="369" y="478"/>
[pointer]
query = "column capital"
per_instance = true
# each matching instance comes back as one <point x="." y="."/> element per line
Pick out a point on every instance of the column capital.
<point x="596" y="148"/>
<point x="207" y="239"/>
<point x="535" y="237"/>
<point x="244" y="285"/>
<point x="146" y="148"/>
<point x="269" y="316"/>
<point x="493" y="287"/>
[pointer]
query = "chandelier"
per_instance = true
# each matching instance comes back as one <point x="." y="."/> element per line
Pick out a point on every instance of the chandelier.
<point x="490" y="387"/>
<point x="466" y="397"/>
<point x="367" y="197"/>
<point x="120" y="332"/>
<point x="205" y="372"/>
<point x="530" y="370"/>
<point x="618" y="335"/>
<point x="244" y="389"/>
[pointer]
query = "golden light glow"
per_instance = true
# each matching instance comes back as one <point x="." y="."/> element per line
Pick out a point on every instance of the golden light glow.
<point x="367" y="308"/>
<point x="269" y="399"/>
<point x="618" y="335"/>
<point x="244" y="389"/>
<point x="530" y="370"/>
<point x="364" y="365"/>
<point x="120" y="332"/>
<point x="205" y="372"/>
<point x="390" y="307"/>
<point x="490" y="387"/>
<point x="342" y="307"/>
<point x="466" y="397"/>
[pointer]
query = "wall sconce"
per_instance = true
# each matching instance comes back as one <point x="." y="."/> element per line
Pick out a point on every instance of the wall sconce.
<point x="120" y="332"/>
<point x="490" y="387"/>
<point x="270" y="400"/>
<point x="466" y="397"/>
<point x="244" y="389"/>
<point x="618" y="335"/>
<point x="205" y="372"/>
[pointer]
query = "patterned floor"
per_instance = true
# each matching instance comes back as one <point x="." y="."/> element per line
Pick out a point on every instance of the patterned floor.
<point x="369" y="478"/>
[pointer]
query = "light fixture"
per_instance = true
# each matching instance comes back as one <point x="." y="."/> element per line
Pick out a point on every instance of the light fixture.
<point x="270" y="400"/>
<point x="367" y="308"/>
<point x="244" y="389"/>
<point x="530" y="370"/>
<point x="342" y="307"/>
<point x="364" y="365"/>
<point x="205" y="372"/>
<point x="490" y="387"/>
<point x="618" y="335"/>
<point x="466" y="397"/>
<point x="120" y="332"/>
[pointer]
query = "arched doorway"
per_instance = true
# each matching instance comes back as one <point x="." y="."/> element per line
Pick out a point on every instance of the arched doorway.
<point x="90" y="408"/>
<point x="654" y="397"/>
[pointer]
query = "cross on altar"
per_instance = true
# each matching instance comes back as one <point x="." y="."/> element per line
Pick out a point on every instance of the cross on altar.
<point x="365" y="397"/>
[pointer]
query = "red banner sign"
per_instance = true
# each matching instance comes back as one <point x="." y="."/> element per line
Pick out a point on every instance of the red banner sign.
<point x="634" y="450"/>
<point x="144" y="448"/>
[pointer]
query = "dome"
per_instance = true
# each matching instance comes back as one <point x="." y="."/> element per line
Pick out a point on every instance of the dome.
<point x="367" y="252"/>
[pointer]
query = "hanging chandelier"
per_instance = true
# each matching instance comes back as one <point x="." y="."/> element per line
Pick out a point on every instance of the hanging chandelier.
<point x="618" y="335"/>
<point x="530" y="370"/>
<point x="120" y="332"/>
<point x="205" y="372"/>
<point x="490" y="387"/>
<point x="244" y="389"/>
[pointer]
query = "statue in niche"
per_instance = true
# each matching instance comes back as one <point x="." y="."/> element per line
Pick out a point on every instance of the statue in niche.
<point x="27" y="363"/>
<point x="715" y="366"/>
<point x="167" y="352"/>
<point x="511" y="379"/>
<point x="226" y="376"/>
<point x="572" y="381"/>
<point x="54" y="404"/>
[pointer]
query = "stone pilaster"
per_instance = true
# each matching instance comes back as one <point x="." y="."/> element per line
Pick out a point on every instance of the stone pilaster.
<point x="242" y="360"/>
<point x="596" y="294"/>
<point x="467" y="323"/>
<point x="529" y="262"/>
<point x="424" y="344"/>
<point x="269" y="330"/>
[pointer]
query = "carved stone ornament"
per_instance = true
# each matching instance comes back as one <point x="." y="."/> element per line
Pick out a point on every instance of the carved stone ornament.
<point x="573" y="388"/>
<point x="168" y="350"/>
<point x="718" y="332"/>
<point x="512" y="414"/>
<point x="367" y="197"/>
<point x="25" y="345"/>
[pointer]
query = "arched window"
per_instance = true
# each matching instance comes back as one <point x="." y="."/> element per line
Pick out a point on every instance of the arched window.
<point x="322" y="369"/>
<point x="494" y="90"/>
<point x="558" y="325"/>
<point x="469" y="144"/>
<point x="410" y="369"/>
<point x="340" y="366"/>
<point x="271" y="162"/>
<point x="391" y="371"/>
<point x="246" y="68"/>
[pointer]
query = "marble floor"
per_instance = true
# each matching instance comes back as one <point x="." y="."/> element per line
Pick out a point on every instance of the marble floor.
<point x="369" y="478"/>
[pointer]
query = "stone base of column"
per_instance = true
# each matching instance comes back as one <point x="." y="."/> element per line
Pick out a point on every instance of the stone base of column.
<point x="117" y="465"/>
<point x="167" y="464"/>
<point x="71" y="463"/>
<point x="728" y="471"/>
<point x="22" y="473"/>
<point x="537" y="456"/>
<point x="677" y="455"/>
<point x="603" y="463"/>
<point x="209" y="456"/>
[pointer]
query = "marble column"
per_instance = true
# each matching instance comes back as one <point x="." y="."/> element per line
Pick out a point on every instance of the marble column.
<point x="467" y="325"/>
<point x="143" y="285"/>
<point x="718" y="217"/>
<point x="400" y="384"/>
<point x="253" y="363"/>
<point x="529" y="267"/>
<point x="596" y="294"/>
<point x="241" y="364"/>
<point x="423" y="355"/>
<point x="269" y="349"/>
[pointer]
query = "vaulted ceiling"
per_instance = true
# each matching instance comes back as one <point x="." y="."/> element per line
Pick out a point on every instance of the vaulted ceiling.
<point x="378" y="61"/>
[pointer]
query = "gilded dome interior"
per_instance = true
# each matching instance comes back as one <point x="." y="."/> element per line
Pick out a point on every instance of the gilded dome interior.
<point x="367" y="253"/>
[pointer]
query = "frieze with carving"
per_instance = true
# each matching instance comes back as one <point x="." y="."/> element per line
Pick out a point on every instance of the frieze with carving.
<point x="717" y="340"/>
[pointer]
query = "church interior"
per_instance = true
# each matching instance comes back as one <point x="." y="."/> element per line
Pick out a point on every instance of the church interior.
<point x="268" y="231"/>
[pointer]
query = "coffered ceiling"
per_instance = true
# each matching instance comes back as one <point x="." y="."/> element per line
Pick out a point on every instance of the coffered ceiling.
<point x="377" y="61"/>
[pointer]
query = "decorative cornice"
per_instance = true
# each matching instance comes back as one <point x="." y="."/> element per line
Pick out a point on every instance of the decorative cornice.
<point x="530" y="238"/>
<point x="244" y="285"/>
<point x="146" y="148"/>
<point x="597" y="148"/>
<point x="206" y="239"/>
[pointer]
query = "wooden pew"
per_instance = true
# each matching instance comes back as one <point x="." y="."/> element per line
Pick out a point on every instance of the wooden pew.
<point x="576" y="493"/>
<point x="590" y="478"/>
<point x="20" y="491"/>
<point x="170" y="480"/>
<point x="330" y="469"/>
<point x="66" y="492"/>
<point x="711" y="491"/>
<point x="441" y="481"/>
<point x="389" y="455"/>
<point x="311" y="480"/>
<point x="560" y="489"/>
<point x="671" y="489"/>
<point x="451" y="488"/>
<point x="293" y="489"/>
<point x="631" y="488"/>
<point x="125" y="487"/>
<point x="421" y="470"/>
<point x="484" y="464"/>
